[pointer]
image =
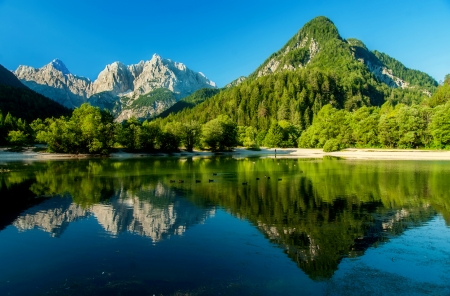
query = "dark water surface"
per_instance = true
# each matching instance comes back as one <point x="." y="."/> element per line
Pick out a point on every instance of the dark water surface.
<point x="316" y="227"/>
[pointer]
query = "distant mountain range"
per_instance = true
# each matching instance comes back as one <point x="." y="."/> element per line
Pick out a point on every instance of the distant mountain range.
<point x="125" y="90"/>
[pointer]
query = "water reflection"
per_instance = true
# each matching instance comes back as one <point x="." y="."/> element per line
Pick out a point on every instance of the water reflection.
<point x="160" y="214"/>
<point x="319" y="212"/>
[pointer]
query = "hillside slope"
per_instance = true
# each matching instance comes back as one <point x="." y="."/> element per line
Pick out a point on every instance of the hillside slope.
<point x="22" y="102"/>
<point x="316" y="67"/>
<point x="8" y="78"/>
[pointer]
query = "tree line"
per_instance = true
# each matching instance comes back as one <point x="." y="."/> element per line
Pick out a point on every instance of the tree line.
<point x="91" y="130"/>
<point x="402" y="126"/>
<point x="282" y="119"/>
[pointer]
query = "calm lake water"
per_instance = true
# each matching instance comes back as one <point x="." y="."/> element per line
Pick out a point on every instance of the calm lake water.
<point x="316" y="227"/>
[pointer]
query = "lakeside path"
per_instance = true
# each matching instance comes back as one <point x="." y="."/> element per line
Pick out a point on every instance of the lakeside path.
<point x="351" y="153"/>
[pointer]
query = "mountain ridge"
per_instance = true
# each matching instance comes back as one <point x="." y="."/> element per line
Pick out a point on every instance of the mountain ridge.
<point x="116" y="80"/>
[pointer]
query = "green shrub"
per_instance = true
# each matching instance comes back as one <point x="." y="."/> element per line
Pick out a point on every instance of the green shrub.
<point x="332" y="145"/>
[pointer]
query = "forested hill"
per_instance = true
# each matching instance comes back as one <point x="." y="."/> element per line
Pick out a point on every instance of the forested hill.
<point x="315" y="68"/>
<point x="22" y="102"/>
<point x="8" y="78"/>
<point x="28" y="105"/>
<point x="318" y="44"/>
<point x="191" y="101"/>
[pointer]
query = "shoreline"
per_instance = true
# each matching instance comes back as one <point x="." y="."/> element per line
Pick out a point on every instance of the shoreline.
<point x="349" y="153"/>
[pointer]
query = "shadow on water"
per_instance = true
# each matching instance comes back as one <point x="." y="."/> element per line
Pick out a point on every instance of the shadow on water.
<point x="15" y="199"/>
<point x="317" y="211"/>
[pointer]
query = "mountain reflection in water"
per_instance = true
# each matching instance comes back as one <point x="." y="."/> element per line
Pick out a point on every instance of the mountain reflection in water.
<point x="118" y="215"/>
<point x="319" y="212"/>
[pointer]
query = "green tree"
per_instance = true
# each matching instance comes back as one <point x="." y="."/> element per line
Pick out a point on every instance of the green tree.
<point x="442" y="94"/>
<point x="18" y="138"/>
<point x="129" y="134"/>
<point x="364" y="122"/>
<point x="388" y="129"/>
<point x="169" y="139"/>
<point x="329" y="123"/>
<point x="220" y="133"/>
<point x="89" y="130"/>
<point x="96" y="128"/>
<point x="190" y="134"/>
<point x="275" y="136"/>
<point x="411" y="127"/>
<point x="291" y="133"/>
<point x="150" y="133"/>
<point x="440" y="126"/>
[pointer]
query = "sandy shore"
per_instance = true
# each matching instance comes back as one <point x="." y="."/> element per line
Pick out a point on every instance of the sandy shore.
<point x="374" y="154"/>
<point x="351" y="153"/>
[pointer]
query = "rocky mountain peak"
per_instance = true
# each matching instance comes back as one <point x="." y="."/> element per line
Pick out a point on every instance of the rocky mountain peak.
<point x="60" y="66"/>
<point x="301" y="49"/>
<point x="156" y="56"/>
<point x="115" y="78"/>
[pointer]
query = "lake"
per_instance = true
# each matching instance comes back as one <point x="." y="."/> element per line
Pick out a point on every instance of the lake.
<point x="208" y="226"/>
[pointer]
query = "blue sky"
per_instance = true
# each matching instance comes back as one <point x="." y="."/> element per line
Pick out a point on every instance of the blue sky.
<point x="222" y="39"/>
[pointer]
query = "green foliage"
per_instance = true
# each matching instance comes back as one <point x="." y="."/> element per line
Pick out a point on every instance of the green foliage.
<point x="447" y="79"/>
<point x="321" y="29"/>
<point x="17" y="126"/>
<point x="169" y="139"/>
<point x="330" y="123"/>
<point x="129" y="134"/>
<point x="189" y="134"/>
<point x="89" y="130"/>
<point x="407" y="96"/>
<point x="412" y="125"/>
<point x="442" y="94"/>
<point x="414" y="77"/>
<point x="282" y="134"/>
<point x="275" y="136"/>
<point x="365" y="127"/>
<point x="150" y="135"/>
<point x="159" y="94"/>
<point x="18" y="138"/>
<point x="440" y="126"/>
<point x="390" y="127"/>
<point x="190" y="101"/>
<point x="220" y="134"/>
<point x="260" y="137"/>
<point x="248" y="137"/>
<point x="332" y="145"/>
<point x="292" y="96"/>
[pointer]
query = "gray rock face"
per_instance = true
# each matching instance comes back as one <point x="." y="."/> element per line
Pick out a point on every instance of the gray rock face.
<point x="148" y="111"/>
<point x="116" y="81"/>
<point x="57" y="83"/>
<point x="163" y="73"/>
<point x="115" y="78"/>
<point x="236" y="82"/>
<point x="274" y="64"/>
